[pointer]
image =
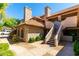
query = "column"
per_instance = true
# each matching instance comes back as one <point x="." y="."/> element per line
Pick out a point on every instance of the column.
<point x="59" y="17"/>
<point x="17" y="32"/>
<point x="78" y="22"/>
<point x="20" y="33"/>
<point x="25" y="34"/>
<point x="78" y="18"/>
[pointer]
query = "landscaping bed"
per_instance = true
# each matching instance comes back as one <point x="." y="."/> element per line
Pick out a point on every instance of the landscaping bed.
<point x="34" y="39"/>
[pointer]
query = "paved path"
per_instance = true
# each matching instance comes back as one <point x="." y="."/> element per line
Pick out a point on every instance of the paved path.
<point x="3" y="40"/>
<point x="35" y="49"/>
<point x="67" y="50"/>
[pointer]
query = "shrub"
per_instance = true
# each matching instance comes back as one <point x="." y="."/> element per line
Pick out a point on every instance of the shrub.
<point x="4" y="50"/>
<point x="4" y="46"/>
<point x="15" y="39"/>
<point x="37" y="38"/>
<point x="42" y="37"/>
<point x="76" y="47"/>
<point x="32" y="39"/>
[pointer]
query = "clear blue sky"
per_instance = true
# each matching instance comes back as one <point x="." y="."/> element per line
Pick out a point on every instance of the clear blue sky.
<point x="16" y="10"/>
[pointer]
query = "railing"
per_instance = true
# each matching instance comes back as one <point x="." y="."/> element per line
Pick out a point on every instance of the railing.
<point x="49" y="34"/>
<point x="58" y="36"/>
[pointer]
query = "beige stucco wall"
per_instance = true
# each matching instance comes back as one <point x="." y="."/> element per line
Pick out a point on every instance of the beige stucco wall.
<point x="34" y="31"/>
<point x="70" y="22"/>
<point x="31" y="31"/>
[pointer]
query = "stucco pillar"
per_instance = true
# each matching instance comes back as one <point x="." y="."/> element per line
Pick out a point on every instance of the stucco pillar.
<point x="25" y="34"/>
<point x="78" y="22"/>
<point x="17" y="32"/>
<point x="78" y="18"/>
<point x="59" y="17"/>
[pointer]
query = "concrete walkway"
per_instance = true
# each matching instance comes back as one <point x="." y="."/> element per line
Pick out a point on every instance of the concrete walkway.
<point x="4" y="40"/>
<point x="35" y="49"/>
<point x="67" y="50"/>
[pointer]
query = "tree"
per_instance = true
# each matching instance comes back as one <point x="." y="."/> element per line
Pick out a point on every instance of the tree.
<point x="2" y="14"/>
<point x="2" y="9"/>
<point x="11" y="22"/>
<point x="5" y="21"/>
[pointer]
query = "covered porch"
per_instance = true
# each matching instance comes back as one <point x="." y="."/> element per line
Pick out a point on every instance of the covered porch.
<point x="22" y="33"/>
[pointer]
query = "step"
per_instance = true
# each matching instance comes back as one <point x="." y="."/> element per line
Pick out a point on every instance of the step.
<point x="50" y="42"/>
<point x="52" y="45"/>
<point x="51" y="39"/>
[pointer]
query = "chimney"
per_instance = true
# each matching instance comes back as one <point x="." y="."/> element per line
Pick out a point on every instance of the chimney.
<point x="27" y="13"/>
<point x="47" y="11"/>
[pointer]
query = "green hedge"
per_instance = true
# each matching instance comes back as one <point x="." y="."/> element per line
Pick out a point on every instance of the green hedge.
<point x="76" y="47"/>
<point x="4" y="50"/>
<point x="37" y="38"/>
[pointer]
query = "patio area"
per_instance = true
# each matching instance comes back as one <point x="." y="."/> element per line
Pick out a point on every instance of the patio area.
<point x="35" y="49"/>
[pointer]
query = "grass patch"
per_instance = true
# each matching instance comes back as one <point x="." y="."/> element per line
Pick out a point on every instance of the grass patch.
<point x="7" y="53"/>
<point x="4" y="50"/>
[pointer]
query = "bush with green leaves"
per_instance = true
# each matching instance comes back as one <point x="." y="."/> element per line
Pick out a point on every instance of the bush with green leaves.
<point x="42" y="37"/>
<point x="32" y="39"/>
<point x="76" y="47"/>
<point x="37" y="38"/>
<point x="14" y="39"/>
<point x="4" y="50"/>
